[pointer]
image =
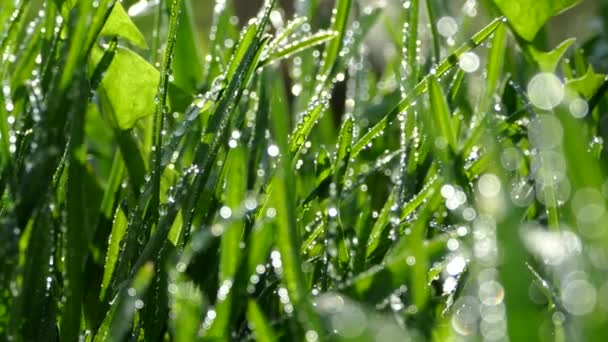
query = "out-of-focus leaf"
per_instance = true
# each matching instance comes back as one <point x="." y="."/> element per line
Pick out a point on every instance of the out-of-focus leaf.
<point x="548" y="61"/>
<point x="119" y="24"/>
<point x="527" y="17"/>
<point x="588" y="84"/>
<point x="187" y="64"/>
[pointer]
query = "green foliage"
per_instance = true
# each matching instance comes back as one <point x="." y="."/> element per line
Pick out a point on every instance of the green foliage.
<point x="528" y="16"/>
<point x="375" y="173"/>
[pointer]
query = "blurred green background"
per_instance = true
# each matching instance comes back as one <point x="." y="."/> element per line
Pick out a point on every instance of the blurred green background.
<point x="587" y="21"/>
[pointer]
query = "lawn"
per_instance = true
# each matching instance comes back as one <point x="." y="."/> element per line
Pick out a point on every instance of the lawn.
<point x="323" y="170"/>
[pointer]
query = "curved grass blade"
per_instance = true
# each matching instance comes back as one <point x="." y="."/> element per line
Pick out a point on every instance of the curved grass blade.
<point x="285" y="33"/>
<point x="293" y="48"/>
<point x="380" y="225"/>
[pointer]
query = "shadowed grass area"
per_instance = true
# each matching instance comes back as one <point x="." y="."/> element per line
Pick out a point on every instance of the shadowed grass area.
<point x="293" y="181"/>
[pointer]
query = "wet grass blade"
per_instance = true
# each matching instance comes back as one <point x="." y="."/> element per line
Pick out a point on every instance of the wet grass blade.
<point x="293" y="48"/>
<point x="161" y="103"/>
<point x="443" y="67"/>
<point x="287" y="237"/>
<point x="339" y="21"/>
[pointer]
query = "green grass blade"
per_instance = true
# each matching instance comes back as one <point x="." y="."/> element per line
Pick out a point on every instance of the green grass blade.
<point x="161" y="102"/>
<point x="262" y="329"/>
<point x="284" y="207"/>
<point x="339" y="21"/>
<point x="292" y="48"/>
<point x="382" y="222"/>
<point x="442" y="119"/>
<point x="119" y="318"/>
<point x="119" y="228"/>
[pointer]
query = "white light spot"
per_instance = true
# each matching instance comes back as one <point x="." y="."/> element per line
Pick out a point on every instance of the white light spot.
<point x="273" y="150"/>
<point x="579" y="297"/>
<point x="447" y="26"/>
<point x="546" y="91"/>
<point x="579" y="108"/>
<point x="469" y="62"/>
<point x="588" y="205"/>
<point x="489" y="185"/>
<point x="332" y="212"/>
<point x="225" y="212"/>
<point x="312" y="336"/>
<point x="456" y="266"/>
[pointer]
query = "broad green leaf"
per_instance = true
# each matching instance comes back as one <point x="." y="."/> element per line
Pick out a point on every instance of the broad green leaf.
<point x="128" y="87"/>
<point x="527" y="17"/>
<point x="548" y="61"/>
<point x="119" y="24"/>
<point x="588" y="84"/>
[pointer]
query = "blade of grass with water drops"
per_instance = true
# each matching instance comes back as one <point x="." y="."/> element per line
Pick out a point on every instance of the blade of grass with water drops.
<point x="338" y="25"/>
<point x="74" y="80"/>
<point x="495" y="66"/>
<point x="282" y="207"/>
<point x="285" y="33"/>
<point x="214" y="135"/>
<point x="161" y="103"/>
<point x="431" y="12"/>
<point x="421" y="87"/>
<point x="378" y="230"/>
<point x="292" y="48"/>
<point x="230" y="249"/>
<point x="119" y="228"/>
<point x="221" y="29"/>
<point x="76" y="225"/>
<point x="320" y="97"/>
<point x="119" y="318"/>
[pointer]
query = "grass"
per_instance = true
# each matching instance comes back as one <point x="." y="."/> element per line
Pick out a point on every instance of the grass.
<point x="284" y="185"/>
